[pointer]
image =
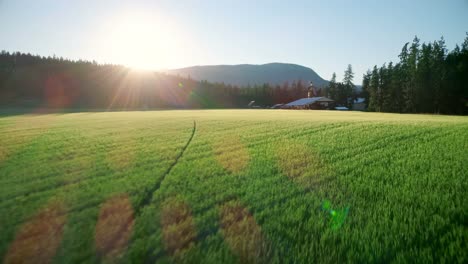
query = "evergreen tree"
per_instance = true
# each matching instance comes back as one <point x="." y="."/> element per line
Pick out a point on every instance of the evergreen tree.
<point x="411" y="101"/>
<point x="439" y="71"/>
<point x="374" y="93"/>
<point x="366" y="87"/>
<point x="424" y="79"/>
<point x="332" y="88"/>
<point x="386" y="87"/>
<point x="396" y="85"/>
<point x="348" y="85"/>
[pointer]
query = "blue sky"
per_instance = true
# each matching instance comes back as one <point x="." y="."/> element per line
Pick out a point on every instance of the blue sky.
<point x="323" y="35"/>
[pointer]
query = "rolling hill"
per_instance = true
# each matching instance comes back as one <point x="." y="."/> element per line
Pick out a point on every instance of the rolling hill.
<point x="249" y="74"/>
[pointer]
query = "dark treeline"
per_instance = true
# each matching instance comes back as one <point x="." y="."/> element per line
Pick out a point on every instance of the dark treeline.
<point x="427" y="79"/>
<point x="33" y="81"/>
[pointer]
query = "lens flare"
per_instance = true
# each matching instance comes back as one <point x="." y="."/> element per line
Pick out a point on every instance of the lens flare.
<point x="337" y="216"/>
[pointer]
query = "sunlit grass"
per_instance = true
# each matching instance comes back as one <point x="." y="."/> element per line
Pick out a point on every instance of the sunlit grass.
<point x="310" y="185"/>
<point x="230" y="152"/>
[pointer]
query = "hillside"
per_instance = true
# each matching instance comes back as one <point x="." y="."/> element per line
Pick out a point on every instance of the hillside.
<point x="33" y="81"/>
<point x="249" y="74"/>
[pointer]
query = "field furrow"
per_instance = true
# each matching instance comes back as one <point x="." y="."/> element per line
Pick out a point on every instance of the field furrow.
<point x="234" y="186"/>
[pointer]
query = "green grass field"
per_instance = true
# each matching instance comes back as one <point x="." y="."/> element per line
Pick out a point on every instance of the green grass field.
<point x="229" y="186"/>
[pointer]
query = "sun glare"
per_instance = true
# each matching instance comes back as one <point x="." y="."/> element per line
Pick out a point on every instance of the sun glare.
<point x="146" y="43"/>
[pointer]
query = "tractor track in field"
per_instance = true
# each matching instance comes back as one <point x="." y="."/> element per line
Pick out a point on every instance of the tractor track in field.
<point x="147" y="198"/>
<point x="149" y="194"/>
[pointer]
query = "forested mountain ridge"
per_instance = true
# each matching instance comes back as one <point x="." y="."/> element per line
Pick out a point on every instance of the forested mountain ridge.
<point x="51" y="82"/>
<point x="250" y="74"/>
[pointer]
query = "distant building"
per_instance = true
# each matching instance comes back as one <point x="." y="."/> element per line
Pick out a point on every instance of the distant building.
<point x="311" y="103"/>
<point x="341" y="108"/>
<point x="359" y="104"/>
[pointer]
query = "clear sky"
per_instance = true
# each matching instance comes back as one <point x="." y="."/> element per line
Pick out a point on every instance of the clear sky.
<point x="160" y="34"/>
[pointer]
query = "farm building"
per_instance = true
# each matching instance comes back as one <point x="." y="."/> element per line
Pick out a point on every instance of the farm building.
<point x="311" y="103"/>
<point x="341" y="108"/>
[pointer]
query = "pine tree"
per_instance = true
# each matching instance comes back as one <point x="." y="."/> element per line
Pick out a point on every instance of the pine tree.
<point x="374" y="90"/>
<point x="411" y="87"/>
<point x="439" y="56"/>
<point x="387" y="89"/>
<point x="366" y="87"/>
<point x="348" y="85"/>
<point x="396" y="85"/>
<point x="332" y="88"/>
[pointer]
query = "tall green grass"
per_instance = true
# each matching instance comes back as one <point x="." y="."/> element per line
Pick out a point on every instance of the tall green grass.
<point x="243" y="186"/>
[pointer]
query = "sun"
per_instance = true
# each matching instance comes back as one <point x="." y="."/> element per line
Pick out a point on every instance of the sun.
<point x="143" y="42"/>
